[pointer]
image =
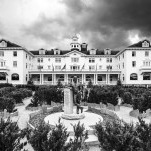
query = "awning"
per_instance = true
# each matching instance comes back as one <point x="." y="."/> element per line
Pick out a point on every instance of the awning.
<point x="3" y="73"/>
<point x="146" y="73"/>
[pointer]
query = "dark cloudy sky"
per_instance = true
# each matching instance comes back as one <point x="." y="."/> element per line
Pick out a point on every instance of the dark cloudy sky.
<point x="48" y="24"/>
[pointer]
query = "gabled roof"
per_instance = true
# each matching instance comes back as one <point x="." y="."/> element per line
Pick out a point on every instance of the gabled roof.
<point x="64" y="52"/>
<point x="139" y="44"/>
<point x="9" y="44"/>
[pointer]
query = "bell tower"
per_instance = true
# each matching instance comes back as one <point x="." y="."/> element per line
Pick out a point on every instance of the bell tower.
<point x="75" y="43"/>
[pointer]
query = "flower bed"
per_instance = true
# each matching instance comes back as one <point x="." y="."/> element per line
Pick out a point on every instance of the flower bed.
<point x="37" y="117"/>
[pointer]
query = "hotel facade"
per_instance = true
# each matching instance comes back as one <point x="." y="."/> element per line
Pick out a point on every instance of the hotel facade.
<point x="131" y="65"/>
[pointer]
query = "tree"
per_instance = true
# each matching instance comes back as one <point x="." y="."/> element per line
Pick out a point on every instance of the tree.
<point x="118" y="136"/>
<point x="78" y="143"/>
<point x="45" y="138"/>
<point x="10" y="136"/>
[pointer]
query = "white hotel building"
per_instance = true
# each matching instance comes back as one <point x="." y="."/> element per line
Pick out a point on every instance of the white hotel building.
<point x="103" y="67"/>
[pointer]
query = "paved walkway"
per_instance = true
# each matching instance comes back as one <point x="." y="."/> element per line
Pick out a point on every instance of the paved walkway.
<point x="123" y="114"/>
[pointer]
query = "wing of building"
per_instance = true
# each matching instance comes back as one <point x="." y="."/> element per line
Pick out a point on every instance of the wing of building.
<point x="131" y="65"/>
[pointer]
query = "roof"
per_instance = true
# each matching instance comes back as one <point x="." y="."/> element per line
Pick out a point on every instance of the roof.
<point x="139" y="44"/>
<point x="10" y="44"/>
<point x="63" y="52"/>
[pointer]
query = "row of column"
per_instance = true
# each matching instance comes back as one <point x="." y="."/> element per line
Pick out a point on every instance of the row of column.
<point x="95" y="80"/>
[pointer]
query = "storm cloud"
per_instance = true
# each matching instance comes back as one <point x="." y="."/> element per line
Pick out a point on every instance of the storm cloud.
<point x="100" y="23"/>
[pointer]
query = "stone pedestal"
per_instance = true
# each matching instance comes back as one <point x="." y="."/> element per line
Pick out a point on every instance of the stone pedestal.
<point x="68" y="101"/>
<point x="68" y="106"/>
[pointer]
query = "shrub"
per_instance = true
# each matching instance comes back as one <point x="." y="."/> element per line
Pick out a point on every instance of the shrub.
<point x="45" y="138"/>
<point x="127" y="98"/>
<point x="118" y="136"/>
<point x="10" y="136"/>
<point x="7" y="103"/>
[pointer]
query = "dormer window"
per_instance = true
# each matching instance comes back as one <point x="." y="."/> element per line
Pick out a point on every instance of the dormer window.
<point x="3" y="44"/>
<point x="42" y="51"/>
<point x="145" y="44"/>
<point x="93" y="52"/>
<point x="56" y="51"/>
<point x="107" y="51"/>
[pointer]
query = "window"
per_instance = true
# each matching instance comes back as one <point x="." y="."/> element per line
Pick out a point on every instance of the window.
<point x="100" y="67"/>
<point x="50" y="78"/>
<point x="100" y="78"/>
<point x="91" y="60"/>
<point x="88" y="78"/>
<point x="57" y="60"/>
<point x="146" y="53"/>
<point x="110" y="59"/>
<point x="74" y="59"/>
<point x="26" y="77"/>
<point x="109" y="67"/>
<point x="2" y="64"/>
<point x="133" y="53"/>
<point x="107" y="59"/>
<point x="133" y="76"/>
<point x="15" y="76"/>
<point x="57" y="67"/>
<point x="1" y="53"/>
<point x="14" y="63"/>
<point x="26" y="65"/>
<point x="26" y="56"/>
<point x="2" y="76"/>
<point x="38" y="59"/>
<point x="123" y="77"/>
<point x="146" y="76"/>
<point x="75" y="68"/>
<point x="91" y="68"/>
<point x="123" y="55"/>
<point x="39" y="67"/>
<point x="123" y="65"/>
<point x="49" y="67"/>
<point x="14" y="53"/>
<point x="133" y="63"/>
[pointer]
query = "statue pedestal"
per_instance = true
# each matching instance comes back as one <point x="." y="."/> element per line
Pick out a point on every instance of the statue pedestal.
<point x="68" y="101"/>
<point x="68" y="106"/>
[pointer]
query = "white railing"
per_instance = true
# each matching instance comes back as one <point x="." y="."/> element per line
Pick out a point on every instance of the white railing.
<point x="36" y="82"/>
<point x="101" y="82"/>
<point x="47" y="82"/>
<point x="113" y="82"/>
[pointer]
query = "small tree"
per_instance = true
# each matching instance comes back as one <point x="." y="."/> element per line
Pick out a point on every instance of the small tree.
<point x="78" y="143"/>
<point x="117" y="136"/>
<point x="46" y="138"/>
<point x="11" y="136"/>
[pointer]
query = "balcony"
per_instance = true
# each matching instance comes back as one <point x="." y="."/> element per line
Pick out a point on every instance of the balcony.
<point x="104" y="71"/>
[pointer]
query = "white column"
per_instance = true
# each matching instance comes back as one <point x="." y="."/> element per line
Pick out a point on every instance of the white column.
<point x="96" y="78"/>
<point x="40" y="79"/>
<point x="106" y="78"/>
<point x="67" y="78"/>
